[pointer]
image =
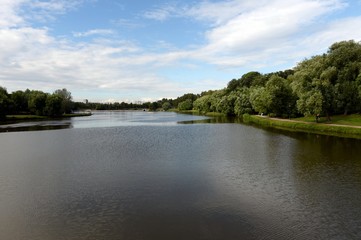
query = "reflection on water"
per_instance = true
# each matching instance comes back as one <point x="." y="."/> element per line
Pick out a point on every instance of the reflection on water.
<point x="161" y="180"/>
<point x="35" y="125"/>
<point x="104" y="119"/>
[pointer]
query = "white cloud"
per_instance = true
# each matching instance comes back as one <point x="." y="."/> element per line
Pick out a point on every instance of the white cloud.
<point x="8" y="16"/>
<point x="94" y="32"/>
<point x="126" y="23"/>
<point x="241" y="34"/>
<point x="261" y="33"/>
<point x="163" y="12"/>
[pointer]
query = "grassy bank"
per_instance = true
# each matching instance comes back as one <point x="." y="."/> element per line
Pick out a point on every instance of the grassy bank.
<point x="36" y="117"/>
<point x="348" y="120"/>
<point x="340" y="126"/>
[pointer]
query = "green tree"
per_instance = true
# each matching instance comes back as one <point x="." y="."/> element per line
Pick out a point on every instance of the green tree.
<point x="215" y="99"/>
<point x="37" y="102"/>
<point x="226" y="103"/>
<point x="53" y="105"/>
<point x="185" y="105"/>
<point x="153" y="106"/>
<point x="20" y="102"/>
<point x="251" y="79"/>
<point x="166" y="106"/>
<point x="345" y="58"/>
<point x="312" y="83"/>
<point x="4" y="102"/>
<point x="258" y="99"/>
<point x="279" y="97"/>
<point x="202" y="104"/>
<point x="67" y="104"/>
<point x="243" y="104"/>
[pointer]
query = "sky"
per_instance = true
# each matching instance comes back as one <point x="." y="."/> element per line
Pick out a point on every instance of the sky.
<point x="142" y="50"/>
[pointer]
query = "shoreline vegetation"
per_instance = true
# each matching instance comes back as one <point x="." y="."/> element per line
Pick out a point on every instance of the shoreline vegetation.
<point x="37" y="117"/>
<point x="348" y="126"/>
<point x="27" y="117"/>
<point x="339" y="127"/>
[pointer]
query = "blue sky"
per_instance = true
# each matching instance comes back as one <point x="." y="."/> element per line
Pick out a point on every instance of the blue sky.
<point x="138" y="50"/>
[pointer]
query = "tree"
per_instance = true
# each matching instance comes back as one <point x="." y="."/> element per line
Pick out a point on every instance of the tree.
<point x="37" y="102"/>
<point x="20" y="102"/>
<point x="258" y="100"/>
<point x="250" y="79"/>
<point x="279" y="98"/>
<point x="345" y="58"/>
<point x="312" y="83"/>
<point x="226" y="103"/>
<point x="202" y="104"/>
<point x="185" y="105"/>
<point x="53" y="105"/>
<point x="243" y="104"/>
<point x="166" y="106"/>
<point x="67" y="104"/>
<point x="153" y="106"/>
<point x="214" y="99"/>
<point x="4" y="102"/>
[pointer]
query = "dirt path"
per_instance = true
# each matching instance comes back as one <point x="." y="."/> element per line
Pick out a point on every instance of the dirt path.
<point x="325" y="124"/>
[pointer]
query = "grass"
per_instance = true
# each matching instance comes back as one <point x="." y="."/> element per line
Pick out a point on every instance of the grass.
<point x="309" y="125"/>
<point x="348" y="120"/>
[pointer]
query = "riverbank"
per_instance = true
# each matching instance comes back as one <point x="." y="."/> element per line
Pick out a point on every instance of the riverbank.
<point x="342" y="126"/>
<point x="195" y="112"/>
<point x="36" y="117"/>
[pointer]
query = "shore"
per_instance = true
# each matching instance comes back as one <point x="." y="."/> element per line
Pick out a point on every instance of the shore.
<point x="349" y="129"/>
<point x="36" y="117"/>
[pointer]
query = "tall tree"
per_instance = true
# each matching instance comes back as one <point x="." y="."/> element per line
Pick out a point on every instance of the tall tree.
<point x="279" y="97"/>
<point x="4" y="102"/>
<point x="67" y="104"/>
<point x="345" y="57"/>
<point x="37" y="102"/>
<point x="312" y="83"/>
<point x="53" y="105"/>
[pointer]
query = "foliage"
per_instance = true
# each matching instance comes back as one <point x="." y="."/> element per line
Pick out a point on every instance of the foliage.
<point x="54" y="105"/>
<point x="202" y="104"/>
<point x="243" y="104"/>
<point x="278" y="97"/>
<point x="166" y="106"/>
<point x="4" y="102"/>
<point x="66" y="100"/>
<point x="37" y="102"/>
<point x="258" y="100"/>
<point x="153" y="106"/>
<point x="185" y="105"/>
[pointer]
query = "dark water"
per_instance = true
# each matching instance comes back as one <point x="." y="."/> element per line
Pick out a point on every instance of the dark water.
<point x="143" y="176"/>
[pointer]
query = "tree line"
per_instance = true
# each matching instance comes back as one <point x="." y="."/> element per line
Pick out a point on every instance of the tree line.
<point x="60" y="102"/>
<point x="324" y="84"/>
<point x="35" y="102"/>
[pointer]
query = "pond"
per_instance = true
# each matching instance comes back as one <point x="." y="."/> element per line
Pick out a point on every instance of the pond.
<point x="140" y="175"/>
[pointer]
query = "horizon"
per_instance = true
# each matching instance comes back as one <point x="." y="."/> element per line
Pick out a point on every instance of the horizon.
<point x="106" y="51"/>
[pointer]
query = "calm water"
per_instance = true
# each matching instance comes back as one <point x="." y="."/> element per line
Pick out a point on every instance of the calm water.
<point x="136" y="175"/>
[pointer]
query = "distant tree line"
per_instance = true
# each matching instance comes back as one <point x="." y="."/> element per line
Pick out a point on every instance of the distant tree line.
<point x="324" y="84"/>
<point x="164" y="104"/>
<point x="35" y="102"/>
<point x="60" y="102"/>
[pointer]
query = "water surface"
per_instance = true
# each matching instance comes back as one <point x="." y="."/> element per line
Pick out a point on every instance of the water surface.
<point x="143" y="176"/>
